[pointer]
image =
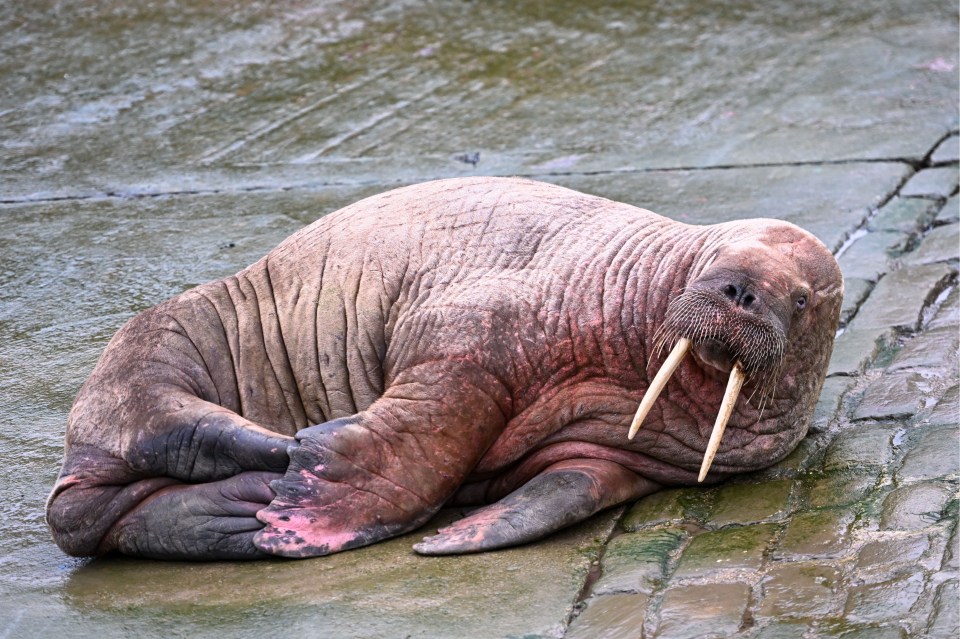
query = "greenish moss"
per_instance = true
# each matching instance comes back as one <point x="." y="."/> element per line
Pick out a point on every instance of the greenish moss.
<point x="739" y="547"/>
<point x="839" y="487"/>
<point x="638" y="562"/>
<point x="750" y="503"/>
<point x="661" y="507"/>
<point x="819" y="533"/>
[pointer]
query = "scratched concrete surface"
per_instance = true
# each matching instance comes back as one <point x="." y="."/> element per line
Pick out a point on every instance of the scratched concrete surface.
<point x="147" y="147"/>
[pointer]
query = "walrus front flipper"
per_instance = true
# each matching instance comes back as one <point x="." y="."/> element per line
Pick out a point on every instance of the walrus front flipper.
<point x="386" y="470"/>
<point x="200" y="441"/>
<point x="216" y="520"/>
<point x="565" y="493"/>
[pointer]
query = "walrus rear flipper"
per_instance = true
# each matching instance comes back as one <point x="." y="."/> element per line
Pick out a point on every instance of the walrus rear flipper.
<point x="565" y="493"/>
<point x="215" y="520"/>
<point x="101" y="505"/>
<point x="93" y="491"/>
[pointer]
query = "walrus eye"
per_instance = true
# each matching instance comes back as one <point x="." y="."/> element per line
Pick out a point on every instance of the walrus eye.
<point x="801" y="302"/>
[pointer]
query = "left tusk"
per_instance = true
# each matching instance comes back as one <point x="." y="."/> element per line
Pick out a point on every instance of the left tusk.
<point x="659" y="381"/>
<point x="726" y="408"/>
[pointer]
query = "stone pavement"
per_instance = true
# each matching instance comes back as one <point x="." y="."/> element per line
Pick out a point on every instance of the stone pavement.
<point x="148" y="147"/>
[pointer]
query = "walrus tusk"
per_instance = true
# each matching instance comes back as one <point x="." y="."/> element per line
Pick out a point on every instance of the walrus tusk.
<point x="659" y="381"/>
<point x="726" y="407"/>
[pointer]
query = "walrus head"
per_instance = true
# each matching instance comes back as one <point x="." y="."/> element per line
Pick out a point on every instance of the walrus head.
<point x="737" y="316"/>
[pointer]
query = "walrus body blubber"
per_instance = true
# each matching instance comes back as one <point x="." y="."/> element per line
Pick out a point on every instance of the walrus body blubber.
<point x="478" y="341"/>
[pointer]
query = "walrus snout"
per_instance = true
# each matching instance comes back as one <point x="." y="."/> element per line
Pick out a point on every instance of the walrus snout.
<point x="734" y="325"/>
<point x="725" y="330"/>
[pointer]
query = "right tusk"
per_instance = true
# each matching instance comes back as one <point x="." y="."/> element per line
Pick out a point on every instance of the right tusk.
<point x="658" y="383"/>
<point x="726" y="408"/>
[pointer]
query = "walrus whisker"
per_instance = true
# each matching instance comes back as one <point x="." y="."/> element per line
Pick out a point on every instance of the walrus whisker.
<point x="658" y="383"/>
<point x="766" y="383"/>
<point x="726" y="408"/>
<point x="660" y="339"/>
<point x="770" y="387"/>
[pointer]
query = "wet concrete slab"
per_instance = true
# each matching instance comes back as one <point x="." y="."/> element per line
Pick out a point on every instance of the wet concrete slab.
<point x="838" y="487"/>
<point x="914" y="506"/>
<point x="941" y="244"/>
<point x="817" y="534"/>
<point x="897" y="395"/>
<point x="618" y="616"/>
<point x="381" y="591"/>
<point x="932" y="183"/>
<point x="860" y="445"/>
<point x="947" y="151"/>
<point x="950" y="212"/>
<point x="802" y="590"/>
<point x="909" y="215"/>
<point x="872" y="255"/>
<point x="830" y="203"/>
<point x="899" y="300"/>
<point x="693" y="611"/>
<point x="718" y="552"/>
<point x="856" y="349"/>
<point x="147" y="148"/>
<point x="248" y="93"/>
<point x="885" y="601"/>
<point x="639" y="562"/>
<point x="747" y="503"/>
<point x="926" y="351"/>
<point x="926" y="459"/>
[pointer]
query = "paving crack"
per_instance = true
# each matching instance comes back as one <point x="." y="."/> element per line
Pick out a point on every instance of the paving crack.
<point x="862" y="229"/>
<point x="312" y="185"/>
<point x="595" y="571"/>
<point x="914" y="162"/>
<point x="928" y="158"/>
<point x="651" y="622"/>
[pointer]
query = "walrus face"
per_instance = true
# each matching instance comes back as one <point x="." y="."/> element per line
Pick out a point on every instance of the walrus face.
<point x="737" y="315"/>
<point x="740" y="310"/>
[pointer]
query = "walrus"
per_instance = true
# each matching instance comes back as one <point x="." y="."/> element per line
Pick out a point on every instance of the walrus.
<point x="467" y="342"/>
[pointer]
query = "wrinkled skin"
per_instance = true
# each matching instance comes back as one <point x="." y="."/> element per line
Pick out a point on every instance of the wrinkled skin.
<point x="468" y="342"/>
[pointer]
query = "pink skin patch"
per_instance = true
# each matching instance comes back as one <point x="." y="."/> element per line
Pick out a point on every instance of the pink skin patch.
<point x="473" y="527"/>
<point x="290" y="533"/>
<point x="290" y="530"/>
<point x="67" y="482"/>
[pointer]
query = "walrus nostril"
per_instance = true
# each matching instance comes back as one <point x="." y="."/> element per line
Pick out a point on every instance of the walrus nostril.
<point x="739" y="295"/>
